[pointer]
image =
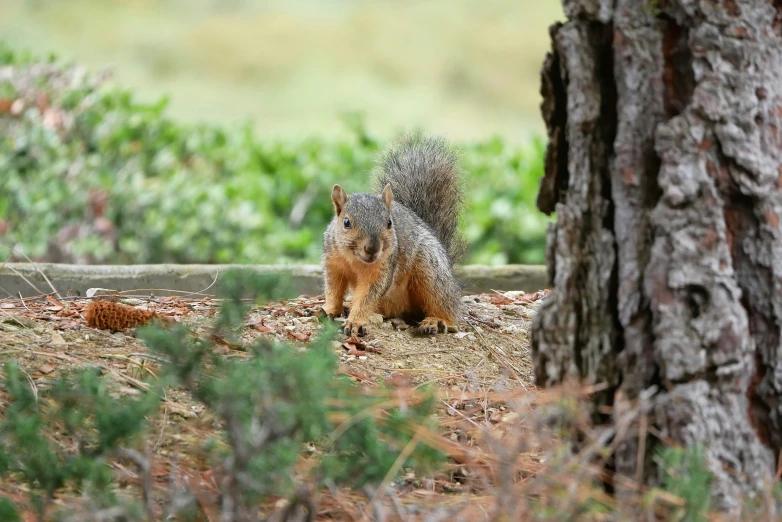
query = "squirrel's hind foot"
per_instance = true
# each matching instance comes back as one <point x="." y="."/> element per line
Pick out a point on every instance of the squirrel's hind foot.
<point x="432" y="326"/>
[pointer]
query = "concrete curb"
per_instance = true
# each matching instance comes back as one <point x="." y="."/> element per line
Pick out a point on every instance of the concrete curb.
<point x="174" y="279"/>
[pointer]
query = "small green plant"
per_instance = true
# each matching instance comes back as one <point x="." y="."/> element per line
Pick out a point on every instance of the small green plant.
<point x="8" y="511"/>
<point x="278" y="399"/>
<point x="685" y="474"/>
<point x="653" y="8"/>
<point x="268" y="406"/>
<point x="93" y="426"/>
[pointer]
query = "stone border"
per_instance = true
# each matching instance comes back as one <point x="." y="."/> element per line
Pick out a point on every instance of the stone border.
<point x="162" y="279"/>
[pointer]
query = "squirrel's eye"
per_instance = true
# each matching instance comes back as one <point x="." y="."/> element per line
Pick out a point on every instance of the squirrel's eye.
<point x="346" y="222"/>
<point x="389" y="223"/>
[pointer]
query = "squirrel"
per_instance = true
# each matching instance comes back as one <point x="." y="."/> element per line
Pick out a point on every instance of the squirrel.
<point x="395" y="249"/>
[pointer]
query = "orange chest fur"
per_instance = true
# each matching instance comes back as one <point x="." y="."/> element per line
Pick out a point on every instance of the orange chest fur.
<point x="360" y="276"/>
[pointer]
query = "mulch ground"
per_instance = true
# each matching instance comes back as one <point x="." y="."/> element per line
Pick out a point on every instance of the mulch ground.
<point x="478" y="373"/>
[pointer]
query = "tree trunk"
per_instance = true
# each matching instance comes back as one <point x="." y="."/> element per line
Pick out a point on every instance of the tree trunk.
<point x="663" y="166"/>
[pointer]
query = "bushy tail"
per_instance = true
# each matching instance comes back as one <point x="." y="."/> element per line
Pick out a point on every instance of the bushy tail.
<point x="425" y="176"/>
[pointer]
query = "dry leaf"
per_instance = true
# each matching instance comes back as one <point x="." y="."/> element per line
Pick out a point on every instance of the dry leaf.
<point x="58" y="339"/>
<point x="299" y="335"/>
<point x="7" y="306"/>
<point x="500" y="300"/>
<point x="56" y="305"/>
<point x="67" y="325"/>
<point x="105" y="293"/>
<point x="262" y="327"/>
<point x="46" y="368"/>
<point x="353" y="343"/>
<point x="357" y="347"/>
<point x="304" y="311"/>
<point x="528" y="298"/>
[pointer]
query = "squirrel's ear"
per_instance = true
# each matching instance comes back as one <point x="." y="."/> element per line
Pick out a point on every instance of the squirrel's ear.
<point x="339" y="197"/>
<point x="388" y="196"/>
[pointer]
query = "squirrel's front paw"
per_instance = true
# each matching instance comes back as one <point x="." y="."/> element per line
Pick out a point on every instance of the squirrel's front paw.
<point x="355" y="328"/>
<point x="328" y="312"/>
<point x="332" y="313"/>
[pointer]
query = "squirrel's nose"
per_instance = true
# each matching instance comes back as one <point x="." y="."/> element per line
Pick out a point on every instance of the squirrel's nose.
<point x="371" y="249"/>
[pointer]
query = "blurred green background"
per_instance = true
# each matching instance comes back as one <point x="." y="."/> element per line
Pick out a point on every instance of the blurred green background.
<point x="269" y="104"/>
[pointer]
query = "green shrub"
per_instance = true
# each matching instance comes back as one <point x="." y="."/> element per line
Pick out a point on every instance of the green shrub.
<point x="91" y="425"/>
<point x="686" y="475"/>
<point x="99" y="177"/>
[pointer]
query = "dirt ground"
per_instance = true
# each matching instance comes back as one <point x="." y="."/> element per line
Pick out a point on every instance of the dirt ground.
<point x="488" y="355"/>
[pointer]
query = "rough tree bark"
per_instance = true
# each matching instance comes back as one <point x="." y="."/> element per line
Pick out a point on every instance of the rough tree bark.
<point x="664" y="167"/>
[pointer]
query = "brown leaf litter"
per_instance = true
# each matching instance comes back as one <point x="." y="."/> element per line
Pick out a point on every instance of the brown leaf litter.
<point x="472" y="371"/>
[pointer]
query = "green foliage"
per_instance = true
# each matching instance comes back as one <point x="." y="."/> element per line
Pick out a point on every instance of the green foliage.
<point x="278" y="399"/>
<point x="502" y="224"/>
<point x="685" y="475"/>
<point x="268" y="406"/>
<point x="652" y="8"/>
<point x="368" y="448"/>
<point x="92" y="423"/>
<point x="203" y="194"/>
<point x="8" y="511"/>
